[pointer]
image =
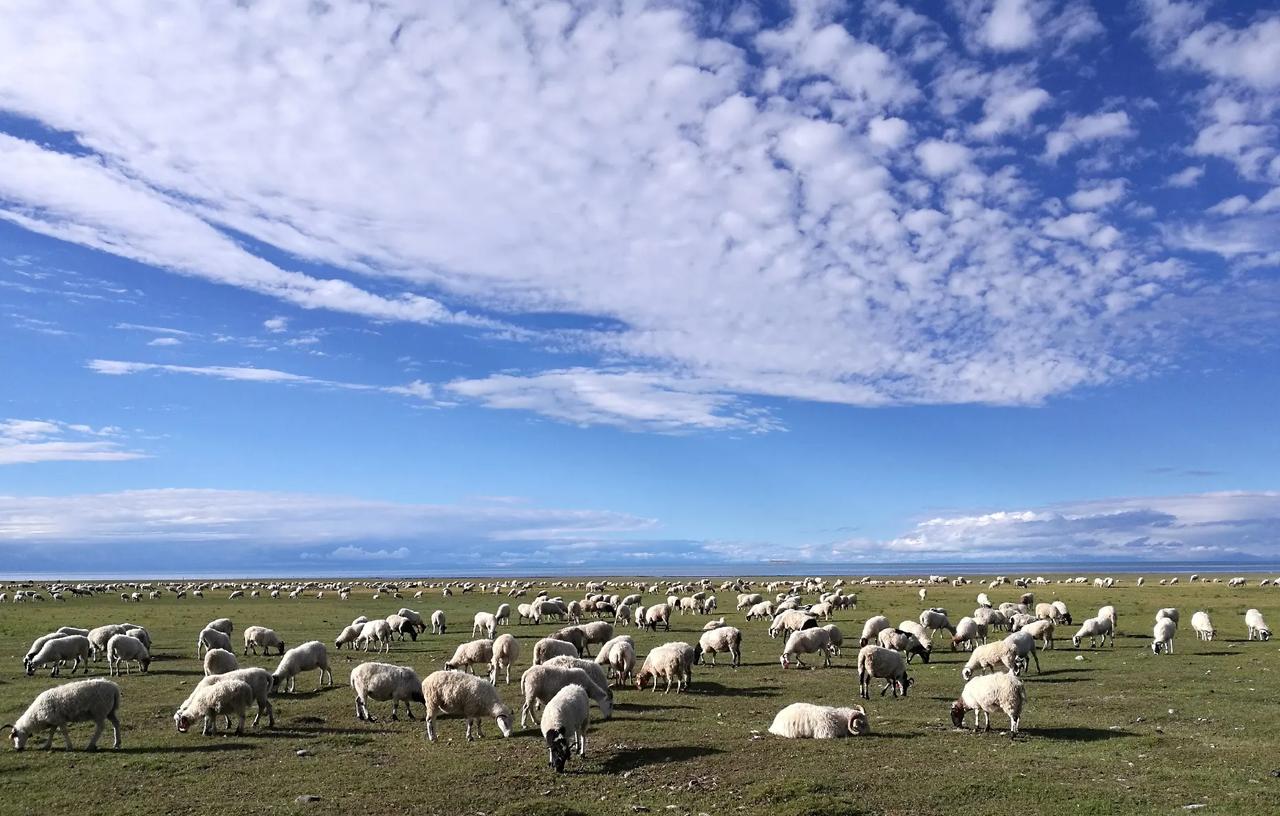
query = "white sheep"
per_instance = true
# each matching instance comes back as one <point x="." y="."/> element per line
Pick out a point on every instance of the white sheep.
<point x="619" y="655"/>
<point x="260" y="637"/>
<point x="872" y="628"/>
<point x="671" y="662"/>
<point x="219" y="661"/>
<point x="308" y="656"/>
<point x="400" y="625"/>
<point x="228" y="697"/>
<point x="1168" y="612"/>
<point x="348" y="636"/>
<point x="806" y="641"/>
<point x="1094" y="628"/>
<point x="470" y="653"/>
<point x="378" y="631"/>
<point x="223" y="625"/>
<point x="837" y="637"/>
<point x="969" y="633"/>
<point x="1162" y="635"/>
<point x="935" y="619"/>
<point x="656" y="614"/>
<point x="1024" y="647"/>
<point x="80" y="701"/>
<point x="41" y="641"/>
<point x="465" y="695"/>
<point x="564" y="725"/>
<point x="212" y="639"/>
<point x="991" y="692"/>
<point x="382" y="682"/>
<point x="506" y="651"/>
<point x="1041" y="629"/>
<point x="594" y="670"/>
<point x="413" y="617"/>
<point x="1257" y="626"/>
<point x="141" y="634"/>
<point x="503" y="616"/>
<point x="724" y="639"/>
<point x="484" y="624"/>
<point x="886" y="664"/>
<point x="808" y="721"/>
<point x="262" y="683"/>
<point x="538" y="684"/>
<point x="437" y="622"/>
<point x="1109" y="612"/>
<point x="55" y="651"/>
<point x="550" y="647"/>
<point x="1203" y="626"/>
<point x="126" y="649"/>
<point x="713" y="624"/>
<point x="99" y="636"/>
<point x="992" y="656"/>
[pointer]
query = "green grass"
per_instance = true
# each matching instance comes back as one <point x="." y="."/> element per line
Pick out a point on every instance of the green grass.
<point x="1122" y="731"/>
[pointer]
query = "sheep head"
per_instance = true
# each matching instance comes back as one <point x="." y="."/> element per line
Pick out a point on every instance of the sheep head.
<point x="557" y="749"/>
<point x="17" y="735"/>
<point x="858" y="722"/>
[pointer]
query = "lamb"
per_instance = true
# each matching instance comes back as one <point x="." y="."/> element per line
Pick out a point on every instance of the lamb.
<point x="989" y="693"/>
<point x="506" y="651"/>
<point x="670" y="661"/>
<point x="1256" y="625"/>
<point x="723" y="639"/>
<point x="656" y="614"/>
<point x="80" y="701"/>
<point x="539" y="684"/>
<point x="1162" y="635"/>
<point x="968" y="633"/>
<point x="378" y="631"/>
<point x="886" y="664"/>
<point x="1094" y="628"/>
<point x="219" y="661"/>
<point x="124" y="649"/>
<point x="223" y="625"/>
<point x="256" y="637"/>
<point x="990" y="656"/>
<point x="594" y="670"/>
<point x="382" y="682"/>
<point x="550" y="647"/>
<point x="437" y="622"/>
<point x="791" y="620"/>
<point x="808" y="721"/>
<point x="262" y="683"/>
<point x="484" y="624"/>
<point x="231" y="696"/>
<point x="872" y="628"/>
<point x="904" y="642"/>
<point x="1203" y="626"/>
<point x="308" y="656"/>
<point x="449" y="692"/>
<point x="807" y="641"/>
<point x="55" y="651"/>
<point x="936" y="619"/>
<point x="467" y="654"/>
<point x="212" y="639"/>
<point x="564" y="723"/>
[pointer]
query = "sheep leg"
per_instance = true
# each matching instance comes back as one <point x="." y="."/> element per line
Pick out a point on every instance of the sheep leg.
<point x="408" y="710"/>
<point x="66" y="737"/>
<point x="361" y="711"/>
<point x="582" y="744"/>
<point x="48" y="744"/>
<point x="431" y="728"/>
<point x="524" y="712"/>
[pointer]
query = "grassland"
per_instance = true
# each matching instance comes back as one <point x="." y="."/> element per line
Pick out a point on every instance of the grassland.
<point x="1121" y="731"/>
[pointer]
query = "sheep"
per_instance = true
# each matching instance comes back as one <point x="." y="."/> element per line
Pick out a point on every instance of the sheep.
<point x="594" y="670"/>
<point x="622" y="616"/>
<point x="98" y="638"/>
<point x="219" y="661"/>
<point x="791" y="620"/>
<point x="382" y="682"/>
<point x="968" y="633"/>
<point x="1256" y="625"/>
<point x="670" y="661"/>
<point x="39" y="642"/>
<point x="260" y="636"/>
<point x="503" y="616"/>
<point x="886" y="664"/>
<point x="348" y="636"/>
<point x="141" y="634"/>
<point x="837" y="637"/>
<point x="656" y="614"/>
<point x="72" y="630"/>
<point x="1042" y="630"/>
<point x="539" y="684"/>
<point x="872" y="628"/>
<point x="400" y="625"/>
<point x="1061" y="613"/>
<point x="550" y="647"/>
<point x="360" y="621"/>
<point x="437" y="622"/>
<point x="806" y="641"/>
<point x="1095" y="628"/>
<point x="991" y="655"/>
<point x="921" y="634"/>
<point x="564" y="724"/>
<point x="506" y="651"/>
<point x="723" y="639"/>
<point x="79" y="701"/>
<point x="599" y="632"/>
<point x="124" y="649"/>
<point x="620" y="656"/>
<point x="470" y="653"/>
<point x="1162" y="635"/>
<point x="1170" y="613"/>
<point x="989" y="693"/>
<point x="713" y="624"/>
<point x="1024" y="647"/>
<point x="749" y="600"/>
<point x="413" y="618"/>
<point x="904" y="642"/>
<point x="762" y="610"/>
<point x="308" y="656"/>
<point x="208" y="701"/>
<point x="484" y="624"/>
<point x="55" y="651"/>
<point x="212" y="639"/>
<point x="936" y="619"/>
<point x="1108" y="612"/>
<point x="449" y="692"/>
<point x="808" y="721"/>
<point x="259" y="680"/>
<point x="1203" y="626"/>
<point x="223" y="625"/>
<point x="378" y="631"/>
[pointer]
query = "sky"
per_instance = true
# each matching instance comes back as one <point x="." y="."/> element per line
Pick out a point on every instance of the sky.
<point x="311" y="288"/>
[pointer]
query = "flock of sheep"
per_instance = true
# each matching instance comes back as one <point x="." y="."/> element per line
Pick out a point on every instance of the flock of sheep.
<point x="565" y="679"/>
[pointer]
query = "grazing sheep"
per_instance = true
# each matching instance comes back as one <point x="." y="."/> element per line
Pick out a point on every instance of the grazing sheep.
<point x="400" y="625"/>
<point x="837" y="637"/>
<point x="484" y="624"/>
<point x="935" y="620"/>
<point x="550" y="647"/>
<point x="670" y="661"/>
<point x="1093" y="628"/>
<point x="594" y="670"/>
<point x="503" y="616"/>
<point x="223" y="625"/>
<point x="921" y="633"/>
<point x="212" y="639"/>
<point x="39" y="642"/>
<point x="1168" y="612"/>
<point x="808" y="721"/>
<point x="1203" y="626"/>
<point x="564" y="724"/>
<point x="619" y="655"/>
<point x="470" y="653"/>
<point x="308" y="656"/>
<point x="437" y="622"/>
<point x="724" y="639"/>
<point x="465" y="695"/>
<point x="658" y="614"/>
<point x="713" y="624"/>
<point x="969" y="633"/>
<point x="506" y="651"/>
<point x="67" y="647"/>
<point x="126" y="649"/>
<point x="992" y="656"/>
<point x="791" y="620"/>
<point x="206" y="702"/>
<point x="413" y="618"/>
<point x="256" y="637"/>
<point x="1024" y="647"/>
<point x="1256" y="625"/>
<point x="904" y="642"/>
<point x="80" y="701"/>
<point x="1162" y="635"/>
<point x="219" y="661"/>
<point x="1042" y="630"/>
<point x="262" y="683"/>
<point x="98" y="638"/>
<point x="72" y="630"/>
<point x="886" y="664"/>
<point x="1109" y="612"/>
<point x="382" y="682"/>
<point x="762" y="610"/>
<point x="807" y="641"/>
<point x="348" y="636"/>
<point x="539" y="684"/>
<point x="598" y="632"/>
<point x="749" y="600"/>
<point x="988" y="693"/>
<point x="872" y="628"/>
<point x="378" y="631"/>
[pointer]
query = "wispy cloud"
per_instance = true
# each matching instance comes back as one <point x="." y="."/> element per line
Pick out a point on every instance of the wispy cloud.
<point x="28" y="441"/>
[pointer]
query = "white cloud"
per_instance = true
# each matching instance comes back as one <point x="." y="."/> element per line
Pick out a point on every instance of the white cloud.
<point x="1187" y="177"/>
<point x="28" y="441"/>
<point x="941" y="158"/>
<point x="888" y="131"/>
<point x="1081" y="130"/>
<point x="1231" y="206"/>
<point x="276" y="324"/>
<point x="1250" y="55"/>
<point x="1008" y="111"/>
<point x="165" y="341"/>
<point x="1010" y="26"/>
<point x="1098" y="195"/>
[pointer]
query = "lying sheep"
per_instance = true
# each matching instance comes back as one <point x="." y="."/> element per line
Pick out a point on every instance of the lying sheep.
<point x="80" y="701"/>
<point x="208" y="701"/>
<point x="470" y="653"/>
<point x="550" y="647"/>
<point x="872" y="628"/>
<point x="382" y="682"/>
<point x="564" y="724"/>
<point x="1257" y="626"/>
<point x="886" y="664"/>
<point x="539" y="684"/>
<point x="57" y="650"/>
<point x="1162" y="635"/>
<point x="212" y="639"/>
<point x="988" y="693"/>
<point x="806" y="641"/>
<point x="126" y="649"/>
<point x="465" y="695"/>
<point x="723" y="639"/>
<point x="1203" y="626"/>
<point x="991" y="656"/>
<point x="670" y="661"/>
<point x="308" y="656"/>
<point x="260" y="637"/>
<point x="506" y="651"/>
<point x="1094" y="628"/>
<point x="808" y="721"/>
<point x="219" y="661"/>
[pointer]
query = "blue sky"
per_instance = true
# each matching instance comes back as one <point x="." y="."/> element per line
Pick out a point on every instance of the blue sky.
<point x="400" y="288"/>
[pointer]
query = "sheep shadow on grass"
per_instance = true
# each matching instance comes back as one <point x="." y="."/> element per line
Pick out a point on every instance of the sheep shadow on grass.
<point x="1077" y="734"/>
<point x="710" y="687"/>
<point x="183" y="749"/>
<point x="633" y="758"/>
